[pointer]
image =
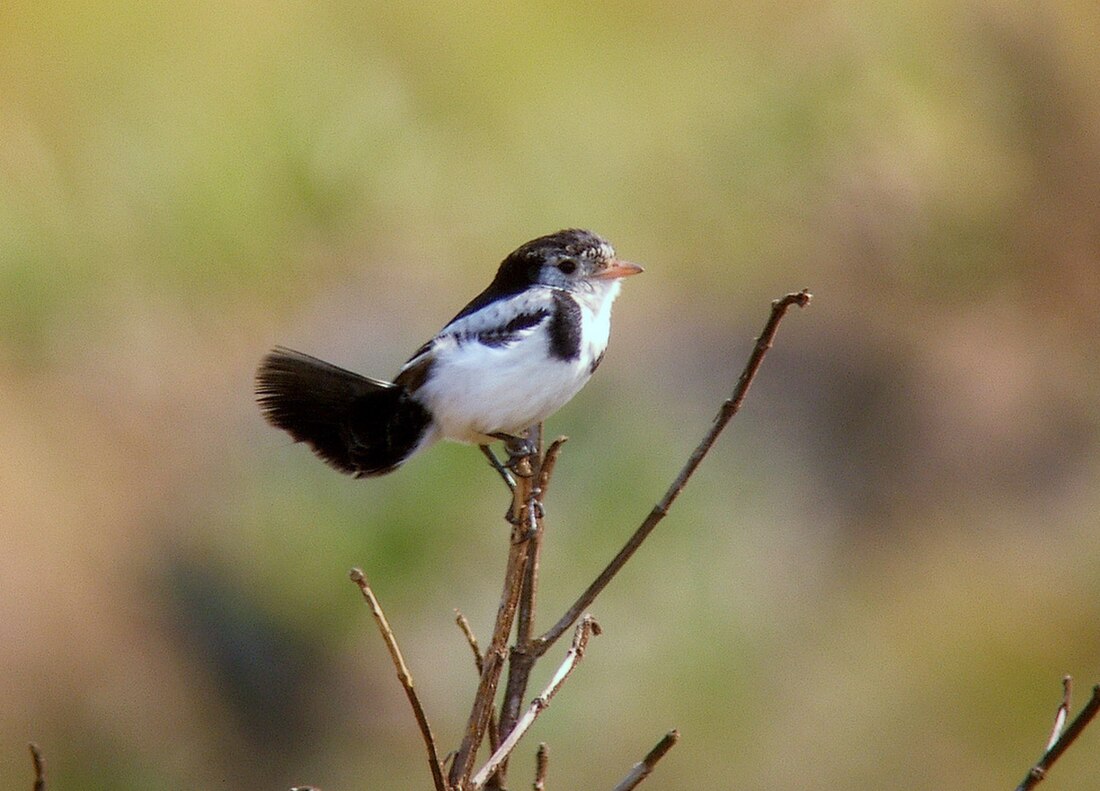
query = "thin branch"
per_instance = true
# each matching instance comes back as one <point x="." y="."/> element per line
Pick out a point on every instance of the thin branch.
<point x="471" y="640"/>
<point x="480" y="713"/>
<point x="729" y="408"/>
<point x="479" y="663"/>
<point x="585" y="629"/>
<point x="1062" y="714"/>
<point x="641" y="770"/>
<point x="403" y="675"/>
<point x="39" y="767"/>
<point x="1062" y="740"/>
<point x="549" y="461"/>
<point x="542" y="762"/>
<point x="520" y="659"/>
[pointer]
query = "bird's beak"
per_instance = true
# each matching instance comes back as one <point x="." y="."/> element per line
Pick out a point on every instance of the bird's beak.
<point x="616" y="269"/>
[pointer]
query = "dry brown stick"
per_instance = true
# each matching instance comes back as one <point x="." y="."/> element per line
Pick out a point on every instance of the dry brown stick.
<point x="39" y="767"/>
<point x="641" y="770"/>
<point x="520" y="659"/>
<point x="729" y="408"/>
<point x="542" y="763"/>
<point x="523" y="512"/>
<point x="403" y="675"/>
<point x="479" y="663"/>
<point x="549" y="462"/>
<point x="585" y="629"/>
<point x="1060" y="740"/>
<point x="471" y="640"/>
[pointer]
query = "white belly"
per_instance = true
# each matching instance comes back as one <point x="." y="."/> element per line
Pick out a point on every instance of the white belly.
<point x="475" y="391"/>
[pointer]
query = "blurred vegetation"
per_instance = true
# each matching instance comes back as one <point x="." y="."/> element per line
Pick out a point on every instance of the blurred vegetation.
<point x="877" y="580"/>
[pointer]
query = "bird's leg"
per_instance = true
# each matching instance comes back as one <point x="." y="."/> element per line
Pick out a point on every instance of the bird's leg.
<point x="518" y="449"/>
<point x="494" y="462"/>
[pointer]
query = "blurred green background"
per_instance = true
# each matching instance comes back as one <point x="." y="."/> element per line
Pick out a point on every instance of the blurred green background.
<point x="875" y="581"/>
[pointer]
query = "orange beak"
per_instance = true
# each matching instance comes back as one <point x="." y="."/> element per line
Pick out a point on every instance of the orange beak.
<point x="616" y="269"/>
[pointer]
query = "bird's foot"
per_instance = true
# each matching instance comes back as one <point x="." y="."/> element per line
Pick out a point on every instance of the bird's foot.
<point x="502" y="471"/>
<point x="519" y="449"/>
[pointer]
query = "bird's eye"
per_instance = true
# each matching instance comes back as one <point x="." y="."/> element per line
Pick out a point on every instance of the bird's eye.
<point x="568" y="266"/>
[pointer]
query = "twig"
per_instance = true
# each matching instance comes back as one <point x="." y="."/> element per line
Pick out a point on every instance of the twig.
<point x="403" y="675"/>
<point x="520" y="659"/>
<point x="549" y="461"/>
<point x="729" y="408"/>
<point x="1061" y="740"/>
<point x="585" y="629"/>
<point x="542" y="761"/>
<point x="471" y="640"/>
<point x="39" y="767"/>
<point x="479" y="663"/>
<point x="494" y="656"/>
<point x="641" y="770"/>
<point x="1062" y="714"/>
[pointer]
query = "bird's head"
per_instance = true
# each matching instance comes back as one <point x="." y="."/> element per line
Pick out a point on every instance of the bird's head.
<point x="573" y="260"/>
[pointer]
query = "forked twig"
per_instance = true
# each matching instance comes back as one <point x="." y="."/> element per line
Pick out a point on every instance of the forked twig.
<point x="1060" y="740"/>
<point x="39" y="767"/>
<point x="585" y="629"/>
<point x="641" y="770"/>
<point x="729" y="408"/>
<point x="403" y="675"/>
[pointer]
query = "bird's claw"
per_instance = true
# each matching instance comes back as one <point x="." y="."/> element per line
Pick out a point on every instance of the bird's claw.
<point x="518" y="449"/>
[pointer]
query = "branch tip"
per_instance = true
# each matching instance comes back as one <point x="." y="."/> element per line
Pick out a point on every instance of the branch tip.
<point x="39" y="767"/>
<point x="1061" y="740"/>
<point x="726" y="412"/>
<point x="640" y="771"/>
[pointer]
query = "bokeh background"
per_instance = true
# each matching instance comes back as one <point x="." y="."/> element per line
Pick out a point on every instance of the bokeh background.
<point x="877" y="579"/>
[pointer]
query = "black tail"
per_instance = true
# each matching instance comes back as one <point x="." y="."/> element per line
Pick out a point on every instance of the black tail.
<point x="358" y="425"/>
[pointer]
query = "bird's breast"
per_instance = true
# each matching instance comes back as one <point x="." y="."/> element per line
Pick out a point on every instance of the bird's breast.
<point x="477" y="389"/>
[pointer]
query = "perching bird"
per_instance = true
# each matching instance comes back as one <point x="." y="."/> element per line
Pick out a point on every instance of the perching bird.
<point x="513" y="356"/>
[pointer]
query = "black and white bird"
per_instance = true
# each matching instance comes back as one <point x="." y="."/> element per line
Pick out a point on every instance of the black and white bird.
<point x="518" y="352"/>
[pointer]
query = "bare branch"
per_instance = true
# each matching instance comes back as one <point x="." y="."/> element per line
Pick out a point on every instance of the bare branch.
<point x="542" y="761"/>
<point x="471" y="639"/>
<point x="1062" y="740"/>
<point x="479" y="663"/>
<point x="641" y="770"/>
<point x="728" y="410"/>
<point x="585" y="629"/>
<point x="39" y="767"/>
<point x="520" y="659"/>
<point x="1062" y="714"/>
<point x="493" y="665"/>
<point x="403" y="675"/>
<point x="549" y="461"/>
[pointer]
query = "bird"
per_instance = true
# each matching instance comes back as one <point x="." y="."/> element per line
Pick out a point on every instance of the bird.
<point x="514" y="355"/>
